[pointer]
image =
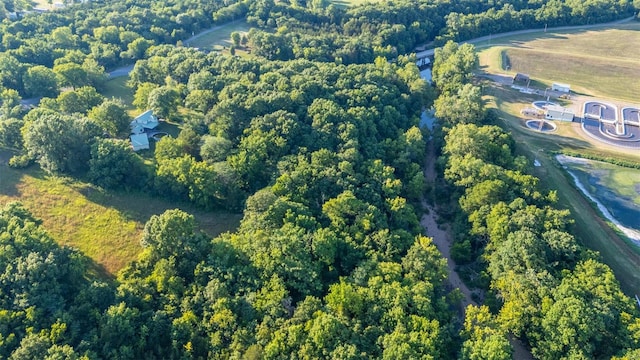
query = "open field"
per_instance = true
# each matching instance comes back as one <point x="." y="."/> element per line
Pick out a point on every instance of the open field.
<point x="43" y="4"/>
<point x="348" y="3"/>
<point x="573" y="57"/>
<point x="103" y="225"/>
<point x="117" y="88"/>
<point x="218" y="38"/>
<point x="589" y="227"/>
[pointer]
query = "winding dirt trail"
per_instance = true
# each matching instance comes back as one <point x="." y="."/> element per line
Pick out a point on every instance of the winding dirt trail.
<point x="442" y="240"/>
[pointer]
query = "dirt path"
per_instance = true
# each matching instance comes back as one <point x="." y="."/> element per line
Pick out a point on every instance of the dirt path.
<point x="442" y="240"/>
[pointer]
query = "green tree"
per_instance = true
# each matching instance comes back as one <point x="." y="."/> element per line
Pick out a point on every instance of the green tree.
<point x="215" y="148"/>
<point x="112" y="116"/>
<point x="60" y="144"/>
<point x="484" y="340"/>
<point x="463" y="106"/>
<point x="173" y="235"/>
<point x="40" y="81"/>
<point x="137" y="49"/>
<point x="235" y="38"/>
<point x="10" y="134"/>
<point x="453" y="65"/>
<point x="11" y="72"/>
<point x="63" y="37"/>
<point x="113" y="165"/>
<point x="80" y="100"/>
<point x="588" y="317"/>
<point x="141" y="96"/>
<point x="32" y="347"/>
<point x="71" y="75"/>
<point x="164" y="101"/>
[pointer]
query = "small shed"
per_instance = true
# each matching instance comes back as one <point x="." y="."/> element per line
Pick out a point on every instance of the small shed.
<point x="139" y="141"/>
<point x="565" y="88"/>
<point x="519" y="77"/>
<point x="555" y="112"/>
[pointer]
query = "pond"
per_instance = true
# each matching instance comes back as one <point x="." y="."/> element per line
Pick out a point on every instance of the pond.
<point x="614" y="189"/>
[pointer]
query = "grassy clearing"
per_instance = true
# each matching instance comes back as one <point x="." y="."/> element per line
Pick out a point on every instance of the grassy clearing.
<point x="350" y="3"/>
<point x="602" y="62"/>
<point x="117" y="88"/>
<point x="221" y="37"/>
<point x="105" y="226"/>
<point x="589" y="227"/>
<point x="43" y="4"/>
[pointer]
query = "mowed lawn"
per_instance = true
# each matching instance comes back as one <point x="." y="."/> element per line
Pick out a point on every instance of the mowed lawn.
<point x="349" y="3"/>
<point x="221" y="36"/>
<point x="604" y="63"/>
<point x="105" y="226"/>
<point x="117" y="88"/>
<point x="589" y="227"/>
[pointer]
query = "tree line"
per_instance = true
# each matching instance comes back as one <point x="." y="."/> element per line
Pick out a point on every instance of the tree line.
<point x="318" y="30"/>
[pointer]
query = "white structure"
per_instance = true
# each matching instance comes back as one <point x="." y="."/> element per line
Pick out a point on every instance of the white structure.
<point x="565" y="88"/>
<point x="143" y="122"/>
<point x="555" y="112"/>
<point x="423" y="62"/>
<point x="139" y="126"/>
<point x="139" y="141"/>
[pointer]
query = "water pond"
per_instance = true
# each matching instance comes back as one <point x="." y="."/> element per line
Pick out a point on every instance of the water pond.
<point x="614" y="189"/>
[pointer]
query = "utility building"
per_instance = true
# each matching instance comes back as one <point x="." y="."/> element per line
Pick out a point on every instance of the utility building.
<point x="565" y="88"/>
<point x="523" y="78"/>
<point x="555" y="112"/>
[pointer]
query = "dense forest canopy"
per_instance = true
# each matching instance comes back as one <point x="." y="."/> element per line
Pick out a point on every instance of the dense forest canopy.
<point x="315" y="138"/>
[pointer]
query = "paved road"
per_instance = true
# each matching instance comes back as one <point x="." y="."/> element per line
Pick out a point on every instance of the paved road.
<point x="430" y="52"/>
<point x="121" y="71"/>
<point x="125" y="70"/>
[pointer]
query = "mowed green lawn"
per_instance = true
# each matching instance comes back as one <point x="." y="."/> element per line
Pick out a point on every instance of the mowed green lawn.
<point x="589" y="226"/>
<point x="214" y="40"/>
<point x="103" y="225"/>
<point x="604" y="62"/>
<point x="348" y="3"/>
<point x="117" y="88"/>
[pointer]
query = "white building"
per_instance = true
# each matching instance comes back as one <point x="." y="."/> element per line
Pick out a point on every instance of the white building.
<point x="143" y="122"/>
<point x="139" y="126"/>
<point x="139" y="141"/>
<point x="565" y="88"/>
<point x="555" y="112"/>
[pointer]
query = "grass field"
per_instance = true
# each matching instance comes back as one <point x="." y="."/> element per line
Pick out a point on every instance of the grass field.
<point x="216" y="39"/>
<point x="589" y="227"/>
<point x="117" y="88"/>
<point x="603" y="62"/>
<point x="103" y="225"/>
<point x="349" y="3"/>
<point x="43" y="4"/>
